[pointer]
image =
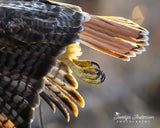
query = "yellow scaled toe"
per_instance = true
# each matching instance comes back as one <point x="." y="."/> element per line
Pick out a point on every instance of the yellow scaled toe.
<point x="87" y="71"/>
<point x="85" y="63"/>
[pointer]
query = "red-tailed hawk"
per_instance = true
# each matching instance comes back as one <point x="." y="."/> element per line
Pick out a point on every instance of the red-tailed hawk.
<point x="39" y="49"/>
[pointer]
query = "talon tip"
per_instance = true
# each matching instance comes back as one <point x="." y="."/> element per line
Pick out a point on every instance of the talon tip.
<point x="103" y="77"/>
<point x="99" y="73"/>
<point x="94" y="63"/>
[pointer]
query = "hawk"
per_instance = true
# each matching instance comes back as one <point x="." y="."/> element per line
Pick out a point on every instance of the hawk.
<point x="39" y="50"/>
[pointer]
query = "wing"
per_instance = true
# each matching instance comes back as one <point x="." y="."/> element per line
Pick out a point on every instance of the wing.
<point x="33" y="34"/>
<point x="22" y="68"/>
<point x="43" y="23"/>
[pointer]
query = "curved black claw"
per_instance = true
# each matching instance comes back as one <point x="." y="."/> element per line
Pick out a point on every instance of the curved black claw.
<point x="103" y="76"/>
<point x="99" y="73"/>
<point x="94" y="63"/>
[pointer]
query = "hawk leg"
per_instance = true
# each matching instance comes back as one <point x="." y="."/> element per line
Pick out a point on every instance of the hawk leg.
<point x="86" y="70"/>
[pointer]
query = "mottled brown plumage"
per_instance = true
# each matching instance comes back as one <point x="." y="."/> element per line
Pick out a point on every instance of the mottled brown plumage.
<point x="33" y="34"/>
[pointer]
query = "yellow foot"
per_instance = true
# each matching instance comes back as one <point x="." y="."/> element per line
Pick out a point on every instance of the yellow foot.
<point x="86" y="70"/>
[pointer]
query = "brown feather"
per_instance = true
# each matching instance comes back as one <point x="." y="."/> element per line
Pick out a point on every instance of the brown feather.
<point x="115" y="36"/>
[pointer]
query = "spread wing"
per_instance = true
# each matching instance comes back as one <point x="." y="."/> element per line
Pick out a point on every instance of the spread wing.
<point x="33" y="34"/>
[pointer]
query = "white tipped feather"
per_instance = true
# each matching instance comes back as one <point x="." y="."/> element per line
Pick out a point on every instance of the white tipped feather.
<point x="147" y="43"/>
<point x="146" y="38"/>
<point x="140" y="52"/>
<point x="144" y="49"/>
<point x="115" y="36"/>
<point x="133" y="55"/>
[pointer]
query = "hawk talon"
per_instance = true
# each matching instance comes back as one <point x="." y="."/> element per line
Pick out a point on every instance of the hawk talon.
<point x="99" y="73"/>
<point x="94" y="63"/>
<point x="86" y="71"/>
<point x="103" y="76"/>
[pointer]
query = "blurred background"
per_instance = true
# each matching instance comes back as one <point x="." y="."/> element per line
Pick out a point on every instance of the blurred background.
<point x="130" y="87"/>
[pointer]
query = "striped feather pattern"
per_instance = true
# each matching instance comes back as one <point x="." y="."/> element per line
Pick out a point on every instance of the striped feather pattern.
<point x="43" y="23"/>
<point x="32" y="35"/>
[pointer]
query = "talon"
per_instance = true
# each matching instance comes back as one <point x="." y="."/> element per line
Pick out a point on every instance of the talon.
<point x="88" y="71"/>
<point x="99" y="73"/>
<point x="103" y="76"/>
<point x="94" y="63"/>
